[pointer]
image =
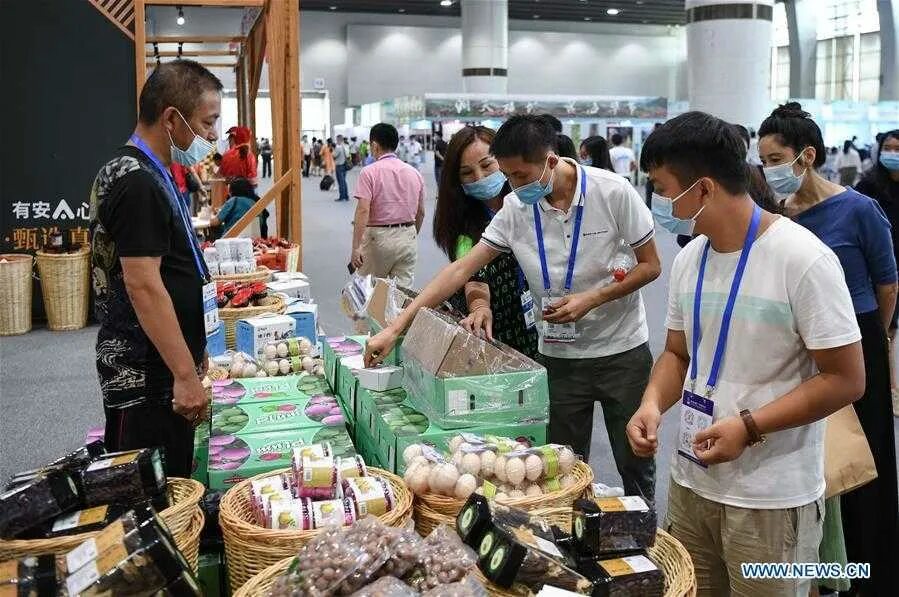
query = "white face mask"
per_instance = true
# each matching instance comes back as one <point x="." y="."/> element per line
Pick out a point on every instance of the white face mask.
<point x="199" y="148"/>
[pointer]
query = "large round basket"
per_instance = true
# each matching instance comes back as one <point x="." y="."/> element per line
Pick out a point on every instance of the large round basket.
<point x="184" y="495"/>
<point x="188" y="542"/>
<point x="262" y="274"/>
<point x="65" y="283"/>
<point x="249" y="548"/>
<point x="583" y="476"/>
<point x="668" y="553"/>
<point x="230" y="316"/>
<point x="15" y="293"/>
<point x="426" y="520"/>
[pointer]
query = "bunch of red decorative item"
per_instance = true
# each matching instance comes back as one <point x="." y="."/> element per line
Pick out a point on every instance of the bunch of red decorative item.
<point x="236" y="295"/>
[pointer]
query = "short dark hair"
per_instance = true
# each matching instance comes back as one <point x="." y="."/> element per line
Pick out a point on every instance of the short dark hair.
<point x="617" y="139"/>
<point x="385" y="135"/>
<point x="743" y="132"/>
<point x="525" y="135"/>
<point x="795" y="128"/>
<point x="553" y="122"/>
<point x="179" y="83"/>
<point x="696" y="144"/>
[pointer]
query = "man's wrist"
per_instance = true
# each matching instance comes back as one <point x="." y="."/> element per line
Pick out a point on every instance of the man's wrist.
<point x="753" y="433"/>
<point x="598" y="297"/>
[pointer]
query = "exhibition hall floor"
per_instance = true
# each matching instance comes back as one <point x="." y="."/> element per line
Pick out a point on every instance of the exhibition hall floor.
<point x="49" y="395"/>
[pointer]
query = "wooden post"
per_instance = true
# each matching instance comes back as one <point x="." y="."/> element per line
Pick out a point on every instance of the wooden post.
<point x="292" y="65"/>
<point x="140" y="37"/>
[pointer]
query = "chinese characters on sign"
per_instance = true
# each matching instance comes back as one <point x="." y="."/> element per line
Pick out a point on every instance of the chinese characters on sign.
<point x="34" y="221"/>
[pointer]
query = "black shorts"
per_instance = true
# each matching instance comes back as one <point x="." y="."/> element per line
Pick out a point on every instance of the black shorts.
<point x="153" y="425"/>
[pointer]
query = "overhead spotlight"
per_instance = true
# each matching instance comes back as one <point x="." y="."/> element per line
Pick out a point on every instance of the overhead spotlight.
<point x="180" y="19"/>
<point x="536" y="16"/>
<point x="446" y="2"/>
<point x="587" y="19"/>
<point x="332" y="8"/>
<point x="612" y="11"/>
<point x="402" y="10"/>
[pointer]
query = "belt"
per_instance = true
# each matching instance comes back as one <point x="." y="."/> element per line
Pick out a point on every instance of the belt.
<point x="400" y="225"/>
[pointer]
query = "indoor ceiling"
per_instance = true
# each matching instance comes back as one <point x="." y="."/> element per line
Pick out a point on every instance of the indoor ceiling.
<point x="656" y="12"/>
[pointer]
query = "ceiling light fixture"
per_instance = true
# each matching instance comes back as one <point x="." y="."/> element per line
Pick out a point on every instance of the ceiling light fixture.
<point x="612" y="11"/>
<point x="536" y="16"/>
<point x="180" y="19"/>
<point x="402" y="10"/>
<point x="332" y="7"/>
<point x="446" y="2"/>
<point x="587" y="19"/>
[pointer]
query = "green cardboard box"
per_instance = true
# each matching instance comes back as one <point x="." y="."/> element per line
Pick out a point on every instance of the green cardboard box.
<point x="201" y="454"/>
<point x="367" y="447"/>
<point x="234" y="458"/>
<point x="336" y="348"/>
<point x="346" y="396"/>
<point x="267" y="389"/>
<point x="460" y="380"/>
<point x="394" y="423"/>
<point x="283" y="415"/>
<point x="209" y="573"/>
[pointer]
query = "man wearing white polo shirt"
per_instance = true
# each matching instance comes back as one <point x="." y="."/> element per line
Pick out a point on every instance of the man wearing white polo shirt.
<point x="565" y="224"/>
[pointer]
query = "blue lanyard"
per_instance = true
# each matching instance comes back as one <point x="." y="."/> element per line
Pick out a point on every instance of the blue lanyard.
<point x="519" y="275"/>
<point x="572" y="256"/>
<point x="178" y="205"/>
<point x="728" y="309"/>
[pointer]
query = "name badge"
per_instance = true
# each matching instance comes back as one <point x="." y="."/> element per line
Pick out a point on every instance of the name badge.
<point x="210" y="308"/>
<point x="696" y="414"/>
<point x="527" y="308"/>
<point x="557" y="333"/>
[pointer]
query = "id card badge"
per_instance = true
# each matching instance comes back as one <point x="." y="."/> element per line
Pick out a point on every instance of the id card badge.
<point x="210" y="308"/>
<point x="527" y="309"/>
<point x="696" y="414"/>
<point x="557" y="333"/>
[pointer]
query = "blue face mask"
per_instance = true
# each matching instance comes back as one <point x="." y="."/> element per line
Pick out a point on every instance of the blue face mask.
<point x="487" y="188"/>
<point x="587" y="161"/>
<point x="199" y="148"/>
<point x="533" y="192"/>
<point x="890" y="160"/>
<point x="663" y="212"/>
<point x="782" y="179"/>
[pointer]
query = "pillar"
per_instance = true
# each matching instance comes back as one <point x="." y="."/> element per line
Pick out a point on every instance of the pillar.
<point x="802" y="25"/>
<point x="729" y="58"/>
<point x="889" y="49"/>
<point x="485" y="46"/>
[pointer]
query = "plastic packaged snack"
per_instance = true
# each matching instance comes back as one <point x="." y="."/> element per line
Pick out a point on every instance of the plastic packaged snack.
<point x="613" y="525"/>
<point x="292" y="514"/>
<point x="268" y="501"/>
<point x="467" y="587"/>
<point x="317" y="478"/>
<point x="628" y="576"/>
<point x="124" y="477"/>
<point x="146" y="563"/>
<point x="405" y="551"/>
<point x="36" y="502"/>
<point x="82" y="521"/>
<point x="32" y="575"/>
<point x="386" y="586"/>
<point x="506" y="559"/>
<point x="71" y="463"/>
<point x="263" y="489"/>
<point x="372" y="495"/>
<point x="352" y="467"/>
<point x="333" y="513"/>
<point x="445" y="559"/>
<point x="122" y="532"/>
<point x="479" y="515"/>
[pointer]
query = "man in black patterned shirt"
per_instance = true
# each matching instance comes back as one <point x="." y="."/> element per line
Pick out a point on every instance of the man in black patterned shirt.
<point x="148" y="273"/>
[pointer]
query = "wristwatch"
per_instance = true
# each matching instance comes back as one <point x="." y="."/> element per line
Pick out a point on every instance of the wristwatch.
<point x="755" y="437"/>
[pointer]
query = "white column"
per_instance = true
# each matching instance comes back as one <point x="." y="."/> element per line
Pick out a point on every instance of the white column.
<point x="485" y="46"/>
<point x="729" y="58"/>
<point x="889" y="49"/>
<point x="802" y="23"/>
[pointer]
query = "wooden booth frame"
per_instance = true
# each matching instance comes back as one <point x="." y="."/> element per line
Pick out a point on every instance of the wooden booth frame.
<point x="275" y="35"/>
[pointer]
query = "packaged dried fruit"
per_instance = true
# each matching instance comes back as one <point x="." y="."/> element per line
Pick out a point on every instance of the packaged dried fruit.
<point x="628" y="576"/>
<point x="404" y="547"/>
<point x="445" y="559"/>
<point x="36" y="502"/>
<point x="124" y="477"/>
<point x="467" y="587"/>
<point x="387" y="586"/>
<point x="123" y="532"/>
<point x="333" y="513"/>
<point x="82" y="521"/>
<point x="372" y="495"/>
<point x="70" y="463"/>
<point x="317" y="478"/>
<point x="613" y="525"/>
<point x="479" y="515"/>
<point x="32" y="575"/>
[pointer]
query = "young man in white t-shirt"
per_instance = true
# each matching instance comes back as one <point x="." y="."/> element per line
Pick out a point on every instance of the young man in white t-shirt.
<point x="623" y="159"/>
<point x="747" y="474"/>
<point x="595" y="346"/>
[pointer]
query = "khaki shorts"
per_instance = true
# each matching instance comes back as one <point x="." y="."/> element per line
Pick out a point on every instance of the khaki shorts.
<point x="721" y="537"/>
<point x="390" y="253"/>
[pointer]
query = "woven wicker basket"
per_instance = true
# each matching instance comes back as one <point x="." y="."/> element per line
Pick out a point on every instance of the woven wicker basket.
<point x="582" y="473"/>
<point x="188" y="542"/>
<point x="249" y="548"/>
<point x="15" y="294"/>
<point x="184" y="494"/>
<point x="668" y="553"/>
<point x="65" y="282"/>
<point x="262" y="274"/>
<point x="230" y="316"/>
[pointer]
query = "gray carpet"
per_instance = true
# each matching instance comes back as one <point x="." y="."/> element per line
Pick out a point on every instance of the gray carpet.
<point x="49" y="395"/>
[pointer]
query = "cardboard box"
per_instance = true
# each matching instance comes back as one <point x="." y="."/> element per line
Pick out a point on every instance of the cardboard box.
<point x="253" y="333"/>
<point x="367" y="447"/>
<point x="209" y="573"/>
<point x="274" y="416"/>
<point x="215" y="342"/>
<point x="380" y="379"/>
<point x="336" y="348"/>
<point x="386" y="298"/>
<point x="305" y="316"/>
<point x="460" y="380"/>
<point x="200" y="463"/>
<point x="267" y="389"/>
<point x="293" y="288"/>
<point x="394" y="423"/>
<point x="234" y="458"/>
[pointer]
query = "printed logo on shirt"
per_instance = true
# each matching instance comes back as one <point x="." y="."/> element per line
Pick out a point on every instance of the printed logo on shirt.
<point x="586" y="234"/>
